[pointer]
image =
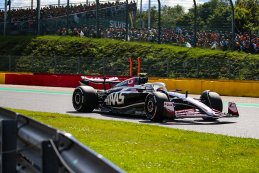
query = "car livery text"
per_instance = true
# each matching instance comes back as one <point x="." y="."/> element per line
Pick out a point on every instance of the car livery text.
<point x="114" y="99"/>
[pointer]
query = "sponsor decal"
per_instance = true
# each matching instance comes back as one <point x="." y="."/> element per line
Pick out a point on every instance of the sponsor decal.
<point x="169" y="106"/>
<point x="131" y="82"/>
<point x="114" y="99"/>
<point x="117" y="24"/>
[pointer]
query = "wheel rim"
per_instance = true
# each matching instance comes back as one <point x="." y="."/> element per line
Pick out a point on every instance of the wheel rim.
<point x="77" y="99"/>
<point x="150" y="106"/>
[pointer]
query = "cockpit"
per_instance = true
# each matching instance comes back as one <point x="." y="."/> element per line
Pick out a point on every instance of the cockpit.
<point x="141" y="82"/>
<point x="132" y="82"/>
<point x="157" y="86"/>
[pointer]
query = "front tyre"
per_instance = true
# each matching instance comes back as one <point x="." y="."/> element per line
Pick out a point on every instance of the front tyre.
<point x="212" y="100"/>
<point x="85" y="99"/>
<point x="154" y="106"/>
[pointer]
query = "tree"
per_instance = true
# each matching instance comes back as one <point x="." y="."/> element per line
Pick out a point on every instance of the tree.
<point x="220" y="19"/>
<point x="247" y="15"/>
<point x="170" y="15"/>
<point x="153" y="17"/>
<point x="186" y="21"/>
<point x="212" y="15"/>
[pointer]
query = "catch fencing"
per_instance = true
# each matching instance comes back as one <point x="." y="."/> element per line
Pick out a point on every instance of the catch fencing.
<point x="132" y="21"/>
<point x="70" y="19"/>
<point x="29" y="146"/>
<point x="210" y="68"/>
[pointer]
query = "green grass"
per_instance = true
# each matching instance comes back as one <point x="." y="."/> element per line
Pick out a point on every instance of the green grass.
<point x="147" y="148"/>
<point x="158" y="60"/>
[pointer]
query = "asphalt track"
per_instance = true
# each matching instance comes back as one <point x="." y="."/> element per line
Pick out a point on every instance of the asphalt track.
<point x="49" y="99"/>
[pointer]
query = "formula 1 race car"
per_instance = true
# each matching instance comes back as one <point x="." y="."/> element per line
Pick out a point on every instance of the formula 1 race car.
<point x="135" y="96"/>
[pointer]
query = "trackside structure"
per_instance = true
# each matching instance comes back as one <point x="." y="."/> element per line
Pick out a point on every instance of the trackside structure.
<point x="29" y="146"/>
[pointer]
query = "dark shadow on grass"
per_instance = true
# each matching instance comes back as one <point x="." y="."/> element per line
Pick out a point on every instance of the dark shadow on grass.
<point x="74" y="112"/>
<point x="110" y="115"/>
<point x="188" y="122"/>
<point x="167" y="122"/>
<point x="122" y="116"/>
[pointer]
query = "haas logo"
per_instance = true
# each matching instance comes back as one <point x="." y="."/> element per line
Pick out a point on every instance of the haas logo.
<point x="114" y="99"/>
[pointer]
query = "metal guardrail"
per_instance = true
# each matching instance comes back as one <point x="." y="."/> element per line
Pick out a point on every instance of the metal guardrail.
<point x="28" y="146"/>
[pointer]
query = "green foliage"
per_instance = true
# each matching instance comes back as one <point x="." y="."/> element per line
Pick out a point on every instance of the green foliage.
<point x="147" y="148"/>
<point x="171" y="15"/>
<point x="220" y="20"/>
<point x="54" y="54"/>
<point x="10" y="45"/>
<point x="186" y="21"/>
<point x="216" y="15"/>
<point x="247" y="15"/>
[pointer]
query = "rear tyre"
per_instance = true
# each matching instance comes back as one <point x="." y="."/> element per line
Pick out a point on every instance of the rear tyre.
<point x="85" y="99"/>
<point x="212" y="100"/>
<point x="154" y="106"/>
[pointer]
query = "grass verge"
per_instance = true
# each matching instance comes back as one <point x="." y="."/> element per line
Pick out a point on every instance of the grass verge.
<point x="146" y="148"/>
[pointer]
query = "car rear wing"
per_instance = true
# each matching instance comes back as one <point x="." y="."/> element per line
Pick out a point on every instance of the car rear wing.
<point x="111" y="81"/>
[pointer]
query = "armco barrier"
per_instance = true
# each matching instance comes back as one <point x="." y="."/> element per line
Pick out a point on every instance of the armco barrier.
<point x="194" y="86"/>
<point x="16" y="78"/>
<point x="54" y="80"/>
<point x="29" y="146"/>
<point x="223" y="87"/>
<point x="2" y="78"/>
<point x="42" y="79"/>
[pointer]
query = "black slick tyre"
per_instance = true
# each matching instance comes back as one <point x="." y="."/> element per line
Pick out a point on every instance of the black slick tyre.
<point x="85" y="99"/>
<point x="212" y="100"/>
<point x="154" y="106"/>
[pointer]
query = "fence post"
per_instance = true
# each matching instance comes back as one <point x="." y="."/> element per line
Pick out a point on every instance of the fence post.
<point x="38" y="17"/>
<point x="97" y="19"/>
<point x="8" y="146"/>
<point x="140" y="15"/>
<point x="10" y="62"/>
<point x="149" y="14"/>
<point x="104" y="66"/>
<point x="5" y="16"/>
<point x="233" y="24"/>
<point x="139" y="65"/>
<point x="167" y="67"/>
<point x="197" y="68"/>
<point x="55" y="64"/>
<point x="68" y="12"/>
<point x="195" y="24"/>
<point x="79" y="65"/>
<point x="159" y="21"/>
<point x="130" y="66"/>
<point x="127" y="20"/>
<point x="32" y="63"/>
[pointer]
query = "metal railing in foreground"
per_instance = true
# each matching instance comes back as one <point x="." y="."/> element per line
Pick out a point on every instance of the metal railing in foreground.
<point x="29" y="146"/>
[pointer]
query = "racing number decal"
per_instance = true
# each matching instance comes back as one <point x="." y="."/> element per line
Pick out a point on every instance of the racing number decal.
<point x="114" y="99"/>
<point x="169" y="106"/>
<point x="131" y="82"/>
